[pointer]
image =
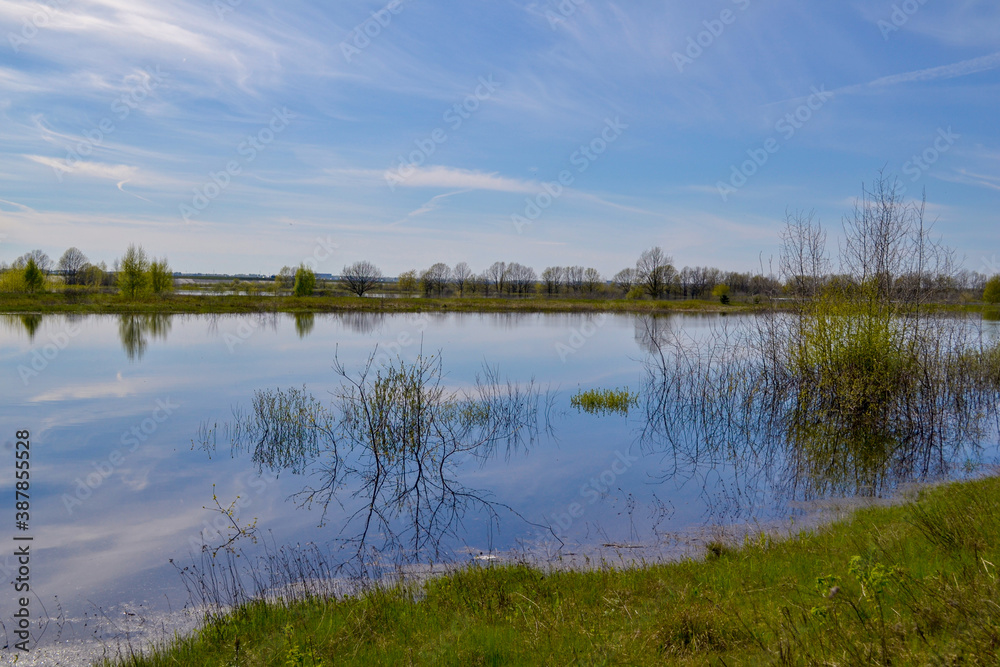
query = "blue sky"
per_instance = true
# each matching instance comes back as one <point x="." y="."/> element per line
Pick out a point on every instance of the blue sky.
<point x="241" y="136"/>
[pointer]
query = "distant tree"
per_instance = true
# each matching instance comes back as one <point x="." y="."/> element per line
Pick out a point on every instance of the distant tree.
<point x="497" y="275"/>
<point x="438" y="277"/>
<point x="721" y="292"/>
<point x="475" y="284"/>
<point x="407" y="281"/>
<point x="654" y="271"/>
<point x="574" y="277"/>
<point x="133" y="272"/>
<point x="34" y="279"/>
<point x="305" y="281"/>
<point x="484" y="283"/>
<point x="71" y="263"/>
<point x="96" y="275"/>
<point x="625" y="280"/>
<point x="520" y="279"/>
<point x="42" y="261"/>
<point x="361" y="277"/>
<point x="552" y="278"/>
<point x="591" y="279"/>
<point x="803" y="259"/>
<point x="426" y="283"/>
<point x="284" y="279"/>
<point x="991" y="293"/>
<point x="461" y="275"/>
<point x="161" y="278"/>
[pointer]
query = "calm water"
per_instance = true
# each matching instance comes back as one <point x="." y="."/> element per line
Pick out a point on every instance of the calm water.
<point x="119" y="485"/>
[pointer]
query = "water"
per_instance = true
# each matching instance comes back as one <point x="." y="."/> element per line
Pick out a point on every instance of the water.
<point x="120" y="485"/>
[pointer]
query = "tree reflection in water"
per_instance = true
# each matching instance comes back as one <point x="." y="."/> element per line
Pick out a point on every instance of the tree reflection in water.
<point x="29" y="322"/>
<point x="304" y="323"/>
<point x="740" y="397"/>
<point x="136" y="330"/>
<point x="389" y="450"/>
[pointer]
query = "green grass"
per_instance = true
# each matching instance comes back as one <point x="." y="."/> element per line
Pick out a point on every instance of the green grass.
<point x="89" y="302"/>
<point x="913" y="584"/>
<point x="605" y="401"/>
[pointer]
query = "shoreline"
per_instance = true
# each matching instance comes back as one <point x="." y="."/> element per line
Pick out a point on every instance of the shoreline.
<point x="54" y="303"/>
<point x="862" y="585"/>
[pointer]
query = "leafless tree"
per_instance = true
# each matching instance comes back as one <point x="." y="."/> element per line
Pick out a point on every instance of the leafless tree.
<point x="497" y="276"/>
<point x="361" y="277"/>
<point x="437" y="277"/>
<point x="42" y="261"/>
<point x="521" y="279"/>
<point x="461" y="276"/>
<point x="591" y="279"/>
<point x="625" y="279"/>
<point x="574" y="277"/>
<point x="553" y="278"/>
<point x="803" y="261"/>
<point x="655" y="271"/>
<point x="71" y="263"/>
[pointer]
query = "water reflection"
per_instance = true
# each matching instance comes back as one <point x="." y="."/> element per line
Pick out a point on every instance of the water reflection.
<point x="136" y="330"/>
<point x="391" y="449"/>
<point x="363" y="323"/>
<point x="31" y="322"/>
<point x="304" y="323"/>
<point x="28" y="322"/>
<point x="858" y="426"/>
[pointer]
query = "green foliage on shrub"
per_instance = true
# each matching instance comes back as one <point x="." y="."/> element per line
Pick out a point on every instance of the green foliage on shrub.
<point x="991" y="294"/>
<point x="305" y="281"/>
<point x="722" y="293"/>
<point x="34" y="279"/>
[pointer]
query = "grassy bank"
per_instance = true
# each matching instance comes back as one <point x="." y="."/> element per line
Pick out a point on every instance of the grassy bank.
<point x="95" y="303"/>
<point x="909" y="584"/>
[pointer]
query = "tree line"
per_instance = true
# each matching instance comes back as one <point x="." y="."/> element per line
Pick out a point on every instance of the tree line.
<point x="654" y="276"/>
<point x="134" y="274"/>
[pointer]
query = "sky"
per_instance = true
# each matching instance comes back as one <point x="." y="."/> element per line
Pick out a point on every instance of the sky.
<point x="241" y="136"/>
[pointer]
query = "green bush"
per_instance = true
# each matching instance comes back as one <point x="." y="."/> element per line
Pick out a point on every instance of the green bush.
<point x="12" y="281"/>
<point x="636" y="293"/>
<point x="855" y="362"/>
<point x="991" y="294"/>
<point x="161" y="279"/>
<point x="133" y="272"/>
<point x="721" y="292"/>
<point x="305" y="281"/>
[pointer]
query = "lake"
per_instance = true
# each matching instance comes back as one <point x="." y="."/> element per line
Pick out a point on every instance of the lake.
<point x="122" y="484"/>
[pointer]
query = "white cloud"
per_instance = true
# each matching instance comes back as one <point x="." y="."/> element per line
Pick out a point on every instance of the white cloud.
<point x="451" y="178"/>
<point x="114" y="172"/>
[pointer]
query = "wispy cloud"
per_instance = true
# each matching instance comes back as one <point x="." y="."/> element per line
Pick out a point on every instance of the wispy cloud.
<point x="448" y="177"/>
<point x="101" y="170"/>
<point x="970" y="178"/>
<point x="952" y="71"/>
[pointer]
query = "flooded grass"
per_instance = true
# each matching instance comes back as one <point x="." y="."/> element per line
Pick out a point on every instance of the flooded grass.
<point x="910" y="584"/>
<point x="605" y="401"/>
